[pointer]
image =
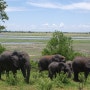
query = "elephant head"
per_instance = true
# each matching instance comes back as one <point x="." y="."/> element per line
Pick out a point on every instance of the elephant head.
<point x="23" y="63"/>
<point x="59" y="58"/>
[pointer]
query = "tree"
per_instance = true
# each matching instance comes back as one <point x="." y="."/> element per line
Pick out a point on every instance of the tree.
<point x="3" y="15"/>
<point x="59" y="44"/>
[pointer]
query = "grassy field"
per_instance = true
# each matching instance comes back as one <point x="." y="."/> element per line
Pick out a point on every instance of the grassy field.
<point x="35" y="46"/>
<point x="34" y="49"/>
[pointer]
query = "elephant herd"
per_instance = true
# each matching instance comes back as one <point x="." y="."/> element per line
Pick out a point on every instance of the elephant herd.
<point x="57" y="63"/>
<point x="19" y="60"/>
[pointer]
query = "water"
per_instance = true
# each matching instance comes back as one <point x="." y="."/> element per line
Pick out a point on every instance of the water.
<point x="34" y="38"/>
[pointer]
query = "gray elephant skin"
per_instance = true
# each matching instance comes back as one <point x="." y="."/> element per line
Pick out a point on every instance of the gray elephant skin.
<point x="57" y="67"/>
<point x="47" y="59"/>
<point x="69" y="63"/>
<point x="13" y="61"/>
<point x="81" y="64"/>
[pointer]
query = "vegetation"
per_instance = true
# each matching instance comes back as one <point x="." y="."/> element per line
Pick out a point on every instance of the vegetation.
<point x="3" y="15"/>
<point x="2" y="49"/>
<point x="40" y="81"/>
<point x="60" y="44"/>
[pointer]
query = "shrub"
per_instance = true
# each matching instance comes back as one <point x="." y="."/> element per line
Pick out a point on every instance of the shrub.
<point x="11" y="80"/>
<point x="61" y="80"/>
<point x="34" y="64"/>
<point x="60" y="44"/>
<point x="2" y="49"/>
<point x="45" y="84"/>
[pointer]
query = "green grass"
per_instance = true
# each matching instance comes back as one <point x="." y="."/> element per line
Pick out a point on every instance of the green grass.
<point x="38" y="81"/>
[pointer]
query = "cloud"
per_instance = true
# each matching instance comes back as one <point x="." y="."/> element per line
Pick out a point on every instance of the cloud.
<point x="45" y="24"/>
<point x="12" y="0"/>
<point x="50" y="27"/>
<point x="84" y="26"/>
<point x="80" y="5"/>
<point x="61" y="25"/>
<point x="12" y="9"/>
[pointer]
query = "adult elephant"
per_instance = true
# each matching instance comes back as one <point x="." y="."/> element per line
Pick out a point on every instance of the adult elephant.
<point x="81" y="64"/>
<point x="13" y="61"/>
<point x="46" y="60"/>
<point x="57" y="67"/>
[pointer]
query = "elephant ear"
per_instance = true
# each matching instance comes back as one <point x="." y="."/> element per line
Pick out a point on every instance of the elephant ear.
<point x="88" y="64"/>
<point x="55" y="59"/>
<point x="15" y="61"/>
<point x="60" y="57"/>
<point x="62" y="66"/>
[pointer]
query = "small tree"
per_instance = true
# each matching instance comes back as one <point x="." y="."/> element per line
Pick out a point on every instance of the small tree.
<point x="3" y="15"/>
<point x="59" y="44"/>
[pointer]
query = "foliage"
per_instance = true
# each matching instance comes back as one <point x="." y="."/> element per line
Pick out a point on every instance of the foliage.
<point x="2" y="49"/>
<point x="61" y="80"/>
<point x="3" y="15"/>
<point x="45" y="84"/>
<point x="34" y="64"/>
<point x="59" y="44"/>
<point x="11" y="80"/>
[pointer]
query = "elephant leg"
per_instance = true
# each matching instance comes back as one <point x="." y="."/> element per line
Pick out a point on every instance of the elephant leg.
<point x="23" y="72"/>
<point x="76" y="77"/>
<point x="86" y="75"/>
<point x="50" y="75"/>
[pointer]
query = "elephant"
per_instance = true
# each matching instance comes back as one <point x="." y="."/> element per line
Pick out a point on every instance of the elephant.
<point x="81" y="64"/>
<point x="69" y="63"/>
<point x="57" y="67"/>
<point x="47" y="59"/>
<point x="13" y="61"/>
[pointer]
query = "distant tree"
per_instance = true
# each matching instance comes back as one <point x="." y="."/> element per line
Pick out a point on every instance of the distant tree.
<point x="60" y="44"/>
<point x="3" y="15"/>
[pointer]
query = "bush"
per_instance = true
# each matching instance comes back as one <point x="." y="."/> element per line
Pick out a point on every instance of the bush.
<point x="11" y="80"/>
<point x="60" y="44"/>
<point x="45" y="84"/>
<point x="61" y="80"/>
<point x="2" y="49"/>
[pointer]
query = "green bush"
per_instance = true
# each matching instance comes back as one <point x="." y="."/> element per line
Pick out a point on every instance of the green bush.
<point x="45" y="84"/>
<point x="61" y="80"/>
<point x="2" y="49"/>
<point x="60" y="44"/>
<point x="34" y="64"/>
<point x="11" y="80"/>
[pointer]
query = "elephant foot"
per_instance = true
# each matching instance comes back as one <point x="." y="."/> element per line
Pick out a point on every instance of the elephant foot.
<point x="27" y="81"/>
<point x="76" y="80"/>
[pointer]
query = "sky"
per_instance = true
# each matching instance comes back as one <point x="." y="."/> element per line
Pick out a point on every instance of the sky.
<point x="48" y="15"/>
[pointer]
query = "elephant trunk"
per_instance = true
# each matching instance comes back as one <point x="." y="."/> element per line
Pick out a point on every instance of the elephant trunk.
<point x="28" y="73"/>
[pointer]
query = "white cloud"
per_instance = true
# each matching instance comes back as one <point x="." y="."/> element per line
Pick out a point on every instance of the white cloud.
<point x="12" y="9"/>
<point x="84" y="26"/>
<point x="45" y="24"/>
<point x="50" y="27"/>
<point x="61" y="25"/>
<point x="81" y="5"/>
<point x="54" y="25"/>
<point x="12" y="0"/>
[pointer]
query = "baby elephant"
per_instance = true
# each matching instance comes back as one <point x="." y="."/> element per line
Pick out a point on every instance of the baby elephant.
<point x="57" y="67"/>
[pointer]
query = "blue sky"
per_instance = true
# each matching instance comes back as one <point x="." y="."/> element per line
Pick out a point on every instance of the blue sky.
<point x="48" y="15"/>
